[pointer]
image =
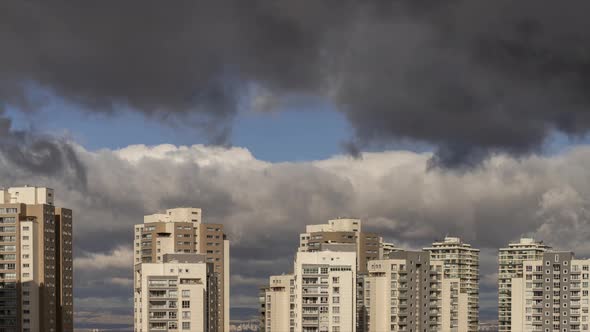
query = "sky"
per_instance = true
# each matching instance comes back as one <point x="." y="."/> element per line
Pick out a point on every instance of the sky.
<point x="423" y="118"/>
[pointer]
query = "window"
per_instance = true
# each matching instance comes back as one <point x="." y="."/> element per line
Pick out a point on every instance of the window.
<point x="186" y="325"/>
<point x="186" y="315"/>
<point x="186" y="304"/>
<point x="186" y="293"/>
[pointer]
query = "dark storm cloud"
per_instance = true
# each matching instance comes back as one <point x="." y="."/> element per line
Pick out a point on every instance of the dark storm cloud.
<point x="468" y="77"/>
<point x="40" y="154"/>
<point x="165" y="60"/>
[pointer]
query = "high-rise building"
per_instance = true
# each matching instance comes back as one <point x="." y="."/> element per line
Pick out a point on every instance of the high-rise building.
<point x="551" y="294"/>
<point x="178" y="293"/>
<point x="460" y="261"/>
<point x="319" y="296"/>
<point x="436" y="289"/>
<point x="368" y="246"/>
<point x="343" y="231"/>
<point x="279" y="303"/>
<point x="511" y="266"/>
<point x="36" y="262"/>
<point x="181" y="230"/>
<point x="410" y="292"/>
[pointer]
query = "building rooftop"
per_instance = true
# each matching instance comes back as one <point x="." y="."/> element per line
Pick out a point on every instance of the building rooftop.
<point x="184" y="258"/>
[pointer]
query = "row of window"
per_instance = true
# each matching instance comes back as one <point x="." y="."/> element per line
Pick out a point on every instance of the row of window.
<point x="169" y="326"/>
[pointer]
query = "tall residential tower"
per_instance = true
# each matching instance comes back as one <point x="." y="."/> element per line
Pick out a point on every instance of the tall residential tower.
<point x="319" y="296"/>
<point x="36" y="270"/>
<point x="551" y="294"/>
<point x="510" y="262"/>
<point x="181" y="231"/>
<point x="461" y="262"/>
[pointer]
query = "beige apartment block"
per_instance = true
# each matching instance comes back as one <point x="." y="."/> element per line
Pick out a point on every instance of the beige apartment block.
<point x="181" y="230"/>
<point x="36" y="271"/>
<point x="318" y="296"/>
<point x="177" y="294"/>
<point x="461" y="262"/>
<point x="510" y="261"/>
<point x="551" y="294"/>
<point x="279" y="301"/>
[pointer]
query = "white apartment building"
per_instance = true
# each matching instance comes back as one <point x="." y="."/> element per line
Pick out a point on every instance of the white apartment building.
<point x="177" y="294"/>
<point x="552" y="294"/>
<point x="325" y="290"/>
<point x="318" y="297"/>
<point x="181" y="230"/>
<point x="461" y="262"/>
<point x="510" y="261"/>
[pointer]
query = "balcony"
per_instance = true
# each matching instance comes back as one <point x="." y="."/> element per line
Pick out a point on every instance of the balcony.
<point x="162" y="294"/>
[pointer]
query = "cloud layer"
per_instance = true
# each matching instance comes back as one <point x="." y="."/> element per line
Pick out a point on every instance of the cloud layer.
<point x="266" y="205"/>
<point x="469" y="78"/>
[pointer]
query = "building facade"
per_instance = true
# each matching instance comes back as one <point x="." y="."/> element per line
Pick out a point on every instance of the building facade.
<point x="343" y="231"/>
<point x="318" y="297"/>
<point x="460" y="261"/>
<point x="181" y="230"/>
<point x="552" y="294"/>
<point x="325" y="290"/>
<point x="410" y="292"/>
<point x="510" y="262"/>
<point x="179" y="293"/>
<point x="279" y="303"/>
<point x="36" y="262"/>
<point x="368" y="246"/>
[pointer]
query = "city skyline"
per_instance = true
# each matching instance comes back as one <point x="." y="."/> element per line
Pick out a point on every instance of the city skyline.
<point x="337" y="236"/>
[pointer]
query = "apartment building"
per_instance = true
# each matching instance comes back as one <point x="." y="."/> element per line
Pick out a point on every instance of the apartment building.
<point x="510" y="261"/>
<point x="36" y="262"/>
<point x="279" y="304"/>
<point x="552" y="294"/>
<point x="319" y="296"/>
<point x="181" y="230"/>
<point x="410" y="292"/>
<point x="178" y="293"/>
<point x="368" y="246"/>
<point x="343" y="231"/>
<point x="460" y="261"/>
